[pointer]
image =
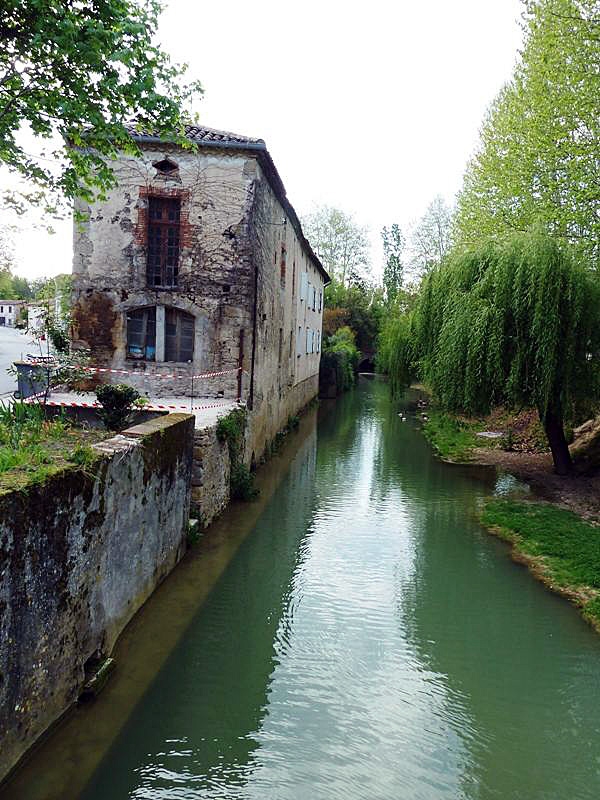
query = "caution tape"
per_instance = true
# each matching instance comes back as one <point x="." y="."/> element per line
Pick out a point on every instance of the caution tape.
<point x="147" y="407"/>
<point x="137" y="372"/>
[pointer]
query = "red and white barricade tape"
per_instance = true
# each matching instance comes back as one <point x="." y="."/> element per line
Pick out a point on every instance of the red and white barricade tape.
<point x="147" y="407"/>
<point x="138" y="372"/>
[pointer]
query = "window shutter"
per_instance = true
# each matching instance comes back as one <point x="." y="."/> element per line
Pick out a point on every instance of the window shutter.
<point x="179" y="335"/>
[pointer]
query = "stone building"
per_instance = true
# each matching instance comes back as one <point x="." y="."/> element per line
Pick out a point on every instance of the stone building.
<point x="10" y="311"/>
<point x="196" y="263"/>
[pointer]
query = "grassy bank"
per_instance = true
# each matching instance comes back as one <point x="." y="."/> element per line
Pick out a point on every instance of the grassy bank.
<point x="452" y="438"/>
<point x="561" y="549"/>
<point x="32" y="447"/>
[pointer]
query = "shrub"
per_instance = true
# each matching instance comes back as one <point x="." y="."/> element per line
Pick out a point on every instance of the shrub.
<point x="341" y="354"/>
<point x="231" y="429"/>
<point x="118" y="401"/>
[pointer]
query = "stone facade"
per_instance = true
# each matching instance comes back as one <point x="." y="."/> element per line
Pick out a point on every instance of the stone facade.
<point x="244" y="290"/>
<point x="210" y="475"/>
<point x="79" y="555"/>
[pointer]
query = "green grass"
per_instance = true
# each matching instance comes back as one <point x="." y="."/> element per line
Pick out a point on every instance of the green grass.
<point x="568" y="546"/>
<point x="453" y="439"/>
<point x="33" y="447"/>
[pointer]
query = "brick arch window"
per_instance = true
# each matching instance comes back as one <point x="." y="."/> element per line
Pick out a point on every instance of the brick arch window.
<point x="141" y="333"/>
<point x="179" y="335"/>
<point x="164" y="219"/>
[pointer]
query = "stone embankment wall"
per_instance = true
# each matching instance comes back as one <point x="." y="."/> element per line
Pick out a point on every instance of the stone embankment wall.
<point x="210" y="475"/>
<point x="79" y="555"/>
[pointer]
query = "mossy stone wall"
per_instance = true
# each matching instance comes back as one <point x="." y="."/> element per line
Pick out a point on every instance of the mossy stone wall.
<point x="79" y="554"/>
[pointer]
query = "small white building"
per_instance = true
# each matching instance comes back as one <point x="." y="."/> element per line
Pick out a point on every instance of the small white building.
<point x="9" y="312"/>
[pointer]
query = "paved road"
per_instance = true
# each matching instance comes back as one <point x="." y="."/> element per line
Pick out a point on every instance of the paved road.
<point x="13" y="345"/>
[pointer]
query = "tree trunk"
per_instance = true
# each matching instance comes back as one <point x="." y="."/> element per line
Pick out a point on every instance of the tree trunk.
<point x="553" y="425"/>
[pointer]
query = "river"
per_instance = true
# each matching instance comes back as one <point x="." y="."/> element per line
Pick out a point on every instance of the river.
<point x="361" y="638"/>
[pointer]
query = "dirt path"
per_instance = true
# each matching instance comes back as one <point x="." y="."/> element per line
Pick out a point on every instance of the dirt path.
<point x="578" y="493"/>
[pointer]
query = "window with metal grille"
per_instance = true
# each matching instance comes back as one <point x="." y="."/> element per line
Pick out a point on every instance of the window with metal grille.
<point x="179" y="335"/>
<point x="141" y="333"/>
<point x="163" y="241"/>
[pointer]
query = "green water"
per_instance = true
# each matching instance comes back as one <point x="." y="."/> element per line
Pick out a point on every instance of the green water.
<point x="368" y="640"/>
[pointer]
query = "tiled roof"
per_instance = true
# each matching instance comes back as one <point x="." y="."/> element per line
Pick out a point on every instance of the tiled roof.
<point x="202" y="134"/>
<point x="211" y="137"/>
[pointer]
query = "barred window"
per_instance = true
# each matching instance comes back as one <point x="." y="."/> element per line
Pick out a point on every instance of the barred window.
<point x="141" y="333"/>
<point x="163" y="241"/>
<point x="179" y="335"/>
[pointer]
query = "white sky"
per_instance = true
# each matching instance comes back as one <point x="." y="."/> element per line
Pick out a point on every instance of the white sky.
<point x="373" y="107"/>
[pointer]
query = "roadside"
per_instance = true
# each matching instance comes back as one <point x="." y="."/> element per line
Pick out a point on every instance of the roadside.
<point x="14" y="345"/>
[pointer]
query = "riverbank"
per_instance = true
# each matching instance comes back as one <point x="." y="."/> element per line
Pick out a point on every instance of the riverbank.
<point x="559" y="548"/>
<point x="556" y="535"/>
<point x="515" y="444"/>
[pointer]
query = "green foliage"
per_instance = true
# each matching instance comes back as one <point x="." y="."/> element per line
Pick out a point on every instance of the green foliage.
<point x="118" y="401"/>
<point x="568" y="546"/>
<point x="79" y="72"/>
<point x="19" y="422"/>
<point x="232" y="429"/>
<point x="194" y="532"/>
<point x="83" y="455"/>
<point x="32" y="447"/>
<point x="242" y="483"/>
<point x="395" y="351"/>
<point x="514" y="323"/>
<point x="341" y="354"/>
<point x="58" y="334"/>
<point x="538" y="157"/>
<point x="362" y="310"/>
<point x="453" y="439"/>
<point x="393" y="270"/>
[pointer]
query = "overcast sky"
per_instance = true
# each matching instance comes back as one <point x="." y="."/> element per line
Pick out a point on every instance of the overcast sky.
<point x="373" y="107"/>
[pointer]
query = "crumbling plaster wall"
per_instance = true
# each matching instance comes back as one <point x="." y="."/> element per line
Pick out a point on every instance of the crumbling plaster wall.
<point x="284" y="379"/>
<point x="79" y="554"/>
<point x="216" y="278"/>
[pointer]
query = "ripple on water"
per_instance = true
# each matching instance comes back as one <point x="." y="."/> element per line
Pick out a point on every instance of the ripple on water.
<point x="369" y="642"/>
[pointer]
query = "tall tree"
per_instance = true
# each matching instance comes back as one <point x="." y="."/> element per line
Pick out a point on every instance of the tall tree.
<point x="515" y="323"/>
<point x="341" y="244"/>
<point x="77" y="73"/>
<point x="538" y="157"/>
<point x="393" y="270"/>
<point x="431" y="237"/>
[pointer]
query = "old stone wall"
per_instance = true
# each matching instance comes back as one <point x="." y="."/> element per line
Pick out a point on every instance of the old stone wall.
<point x="79" y="554"/>
<point x="210" y="475"/>
<point x="216" y="271"/>
<point x="289" y="304"/>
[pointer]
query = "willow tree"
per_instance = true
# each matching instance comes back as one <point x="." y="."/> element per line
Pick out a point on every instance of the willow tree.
<point x="513" y="323"/>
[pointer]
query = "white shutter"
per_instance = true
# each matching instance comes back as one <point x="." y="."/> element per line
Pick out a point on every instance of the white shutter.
<point x="303" y="285"/>
<point x="299" y="342"/>
<point x="308" y="340"/>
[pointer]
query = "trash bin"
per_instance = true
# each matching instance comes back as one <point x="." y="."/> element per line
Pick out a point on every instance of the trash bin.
<point x="32" y="379"/>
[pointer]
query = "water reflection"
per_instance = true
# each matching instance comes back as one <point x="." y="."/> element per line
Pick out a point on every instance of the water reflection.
<point x="369" y="640"/>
